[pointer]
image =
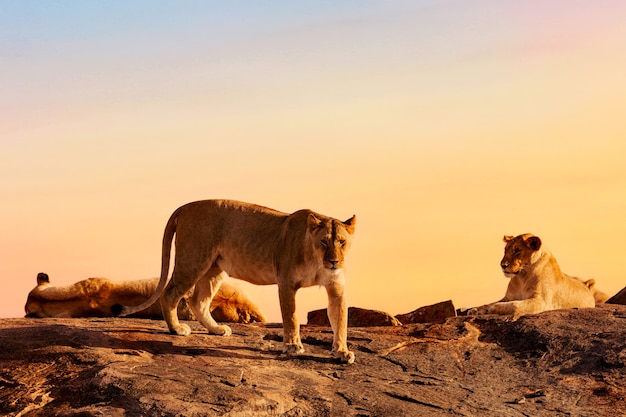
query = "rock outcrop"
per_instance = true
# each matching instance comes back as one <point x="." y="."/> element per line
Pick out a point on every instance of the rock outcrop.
<point x="357" y="317"/>
<point x="557" y="363"/>
<point x="619" y="298"/>
<point x="434" y="313"/>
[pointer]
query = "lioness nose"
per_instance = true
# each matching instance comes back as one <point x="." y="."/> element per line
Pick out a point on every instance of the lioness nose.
<point x="504" y="264"/>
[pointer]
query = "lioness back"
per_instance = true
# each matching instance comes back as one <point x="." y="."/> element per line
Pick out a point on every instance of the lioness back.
<point x="246" y="236"/>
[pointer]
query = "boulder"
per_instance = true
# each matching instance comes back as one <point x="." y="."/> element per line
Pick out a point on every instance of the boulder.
<point x="619" y="298"/>
<point x="436" y="313"/>
<point x="357" y="317"/>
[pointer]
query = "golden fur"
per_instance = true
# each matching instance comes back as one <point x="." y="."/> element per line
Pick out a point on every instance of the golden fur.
<point x="94" y="297"/>
<point x="537" y="283"/>
<point x="219" y="238"/>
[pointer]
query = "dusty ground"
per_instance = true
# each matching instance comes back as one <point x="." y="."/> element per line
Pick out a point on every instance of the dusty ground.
<point x="561" y="363"/>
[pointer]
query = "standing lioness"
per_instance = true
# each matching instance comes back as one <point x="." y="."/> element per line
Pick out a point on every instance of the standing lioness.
<point x="216" y="238"/>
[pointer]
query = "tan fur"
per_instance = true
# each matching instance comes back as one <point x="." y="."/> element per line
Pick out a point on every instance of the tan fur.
<point x="537" y="283"/>
<point x="219" y="238"/>
<point x="94" y="297"/>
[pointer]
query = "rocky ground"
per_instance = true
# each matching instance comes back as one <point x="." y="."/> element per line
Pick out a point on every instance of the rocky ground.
<point x="560" y="363"/>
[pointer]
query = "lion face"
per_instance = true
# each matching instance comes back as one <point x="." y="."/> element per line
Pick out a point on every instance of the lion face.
<point x="519" y="253"/>
<point x="332" y="239"/>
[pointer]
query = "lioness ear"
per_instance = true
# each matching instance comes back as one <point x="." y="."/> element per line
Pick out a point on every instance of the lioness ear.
<point x="533" y="242"/>
<point x="313" y="222"/>
<point x="350" y="224"/>
<point x="507" y="239"/>
<point x="42" y="278"/>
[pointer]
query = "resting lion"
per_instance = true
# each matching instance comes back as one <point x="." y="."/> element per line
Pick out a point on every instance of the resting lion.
<point x="94" y="297"/>
<point x="537" y="283"/>
<point x="217" y="238"/>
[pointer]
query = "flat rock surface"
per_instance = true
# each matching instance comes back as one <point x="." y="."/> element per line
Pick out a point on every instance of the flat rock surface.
<point x="559" y="363"/>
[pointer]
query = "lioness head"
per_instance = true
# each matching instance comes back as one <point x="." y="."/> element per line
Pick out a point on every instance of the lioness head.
<point x="332" y="238"/>
<point x="519" y="252"/>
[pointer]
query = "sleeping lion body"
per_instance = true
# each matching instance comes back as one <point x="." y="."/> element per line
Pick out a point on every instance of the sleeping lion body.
<point x="94" y="297"/>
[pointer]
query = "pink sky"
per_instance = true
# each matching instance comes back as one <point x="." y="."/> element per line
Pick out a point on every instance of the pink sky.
<point x="442" y="125"/>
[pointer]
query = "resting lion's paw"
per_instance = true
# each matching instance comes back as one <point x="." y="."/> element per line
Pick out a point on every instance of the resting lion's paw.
<point x="293" y="348"/>
<point x="472" y="311"/>
<point x="344" y="356"/>
<point x="503" y="308"/>
<point x="181" y="330"/>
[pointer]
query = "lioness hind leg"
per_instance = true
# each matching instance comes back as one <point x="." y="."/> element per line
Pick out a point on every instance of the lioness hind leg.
<point x="179" y="285"/>
<point x="203" y="294"/>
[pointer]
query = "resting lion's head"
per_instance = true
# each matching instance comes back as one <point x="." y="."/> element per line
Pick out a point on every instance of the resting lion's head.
<point x="331" y="239"/>
<point x="519" y="252"/>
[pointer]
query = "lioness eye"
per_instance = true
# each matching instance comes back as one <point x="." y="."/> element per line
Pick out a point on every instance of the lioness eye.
<point x="324" y="242"/>
<point x="342" y="242"/>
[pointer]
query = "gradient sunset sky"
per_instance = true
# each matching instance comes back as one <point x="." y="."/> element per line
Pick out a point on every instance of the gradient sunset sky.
<point x="442" y="125"/>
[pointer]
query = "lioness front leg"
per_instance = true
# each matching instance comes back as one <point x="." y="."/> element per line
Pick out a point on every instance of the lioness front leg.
<point x="518" y="308"/>
<point x="291" y="328"/>
<point x="338" y="317"/>
<point x="479" y="310"/>
<point x="203" y="294"/>
<point x="484" y="309"/>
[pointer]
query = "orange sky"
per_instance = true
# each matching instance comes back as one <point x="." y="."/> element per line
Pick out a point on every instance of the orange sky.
<point x="441" y="124"/>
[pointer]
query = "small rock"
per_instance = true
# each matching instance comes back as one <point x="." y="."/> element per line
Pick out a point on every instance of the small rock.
<point x="357" y="317"/>
<point x="619" y="298"/>
<point x="436" y="313"/>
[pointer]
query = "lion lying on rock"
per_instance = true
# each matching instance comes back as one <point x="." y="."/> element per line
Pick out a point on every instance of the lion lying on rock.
<point x="537" y="283"/>
<point x="94" y="297"/>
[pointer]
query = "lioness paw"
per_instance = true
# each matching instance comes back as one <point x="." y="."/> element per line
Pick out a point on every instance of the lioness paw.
<point x="293" y="348"/>
<point x="344" y="357"/>
<point x="221" y="330"/>
<point x="181" y="330"/>
<point x="503" y="308"/>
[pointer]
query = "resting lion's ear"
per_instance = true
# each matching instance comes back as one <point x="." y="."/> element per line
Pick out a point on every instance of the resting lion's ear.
<point x="533" y="242"/>
<point x="507" y="238"/>
<point x="42" y="278"/>
<point x="313" y="222"/>
<point x="350" y="224"/>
